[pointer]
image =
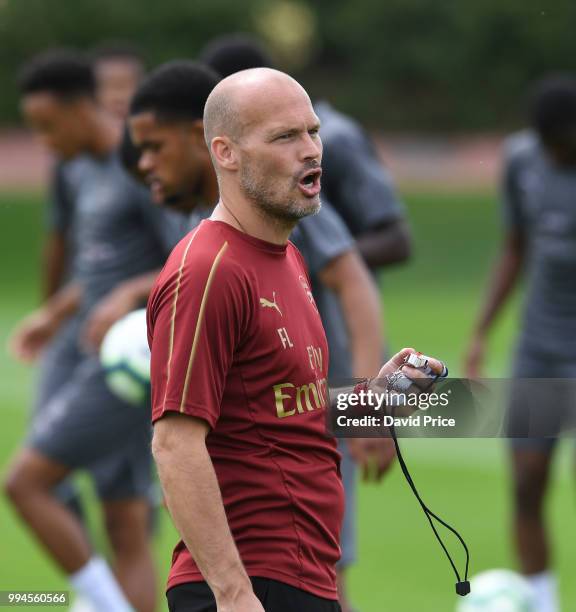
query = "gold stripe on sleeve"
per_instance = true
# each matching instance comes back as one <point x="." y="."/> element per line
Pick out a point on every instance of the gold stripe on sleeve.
<point x="199" y="322"/>
<point x="173" y="315"/>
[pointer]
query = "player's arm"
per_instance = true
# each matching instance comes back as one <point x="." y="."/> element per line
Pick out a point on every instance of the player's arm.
<point x="388" y="244"/>
<point x="119" y="302"/>
<point x="331" y="256"/>
<point x="348" y="277"/>
<point x="193" y="498"/>
<point x="365" y="190"/>
<point x="55" y="262"/>
<point x="60" y="210"/>
<point x="505" y="274"/>
<point x="507" y="268"/>
<point x="35" y="331"/>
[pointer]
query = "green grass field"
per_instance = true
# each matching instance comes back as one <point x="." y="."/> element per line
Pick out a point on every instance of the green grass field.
<point x="429" y="304"/>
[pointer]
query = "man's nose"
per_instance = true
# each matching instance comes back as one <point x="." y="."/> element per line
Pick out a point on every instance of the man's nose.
<point x="146" y="162"/>
<point x="312" y="147"/>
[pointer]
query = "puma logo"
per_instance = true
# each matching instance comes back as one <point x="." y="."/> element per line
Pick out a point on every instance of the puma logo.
<point x="268" y="304"/>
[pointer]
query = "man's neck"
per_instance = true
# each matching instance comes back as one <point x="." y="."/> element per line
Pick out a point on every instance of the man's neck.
<point x="243" y="215"/>
<point x="209" y="185"/>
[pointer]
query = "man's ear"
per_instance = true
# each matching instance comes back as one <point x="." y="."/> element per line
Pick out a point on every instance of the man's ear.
<point x="224" y="152"/>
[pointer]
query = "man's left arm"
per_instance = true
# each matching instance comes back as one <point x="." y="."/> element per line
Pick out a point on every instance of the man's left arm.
<point x="350" y="280"/>
<point x="331" y="256"/>
<point x="348" y="277"/>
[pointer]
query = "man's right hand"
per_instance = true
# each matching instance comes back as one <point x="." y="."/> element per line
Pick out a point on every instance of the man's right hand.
<point x="32" y="335"/>
<point x="399" y="361"/>
<point x="474" y="358"/>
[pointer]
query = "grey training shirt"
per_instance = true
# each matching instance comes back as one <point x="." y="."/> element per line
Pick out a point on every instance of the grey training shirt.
<point x="354" y="180"/>
<point x="539" y="201"/>
<point x="117" y="232"/>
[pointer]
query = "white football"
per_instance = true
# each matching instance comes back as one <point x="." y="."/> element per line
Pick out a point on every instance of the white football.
<point x="125" y="357"/>
<point x="498" y="590"/>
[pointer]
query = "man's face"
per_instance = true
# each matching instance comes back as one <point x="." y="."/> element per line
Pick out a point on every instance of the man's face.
<point x="58" y="123"/>
<point x="280" y="156"/>
<point x="171" y="160"/>
<point x="117" y="80"/>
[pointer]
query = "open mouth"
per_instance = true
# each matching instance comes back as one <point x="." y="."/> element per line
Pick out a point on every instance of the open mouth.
<point x="309" y="182"/>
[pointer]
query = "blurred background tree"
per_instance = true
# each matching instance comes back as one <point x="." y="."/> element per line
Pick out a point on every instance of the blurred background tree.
<point x="406" y="65"/>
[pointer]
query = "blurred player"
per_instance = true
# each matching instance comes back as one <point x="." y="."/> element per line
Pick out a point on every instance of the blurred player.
<point x="239" y="364"/>
<point x="120" y="241"/>
<point x="118" y="68"/>
<point x="539" y="184"/>
<point x="355" y="182"/>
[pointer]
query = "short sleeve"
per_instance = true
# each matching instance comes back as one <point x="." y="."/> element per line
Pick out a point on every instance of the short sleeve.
<point x="321" y="238"/>
<point x="358" y="184"/>
<point x="60" y="206"/>
<point x="195" y="321"/>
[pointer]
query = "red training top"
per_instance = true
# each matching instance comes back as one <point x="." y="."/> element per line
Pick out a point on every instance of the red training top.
<point x="237" y="340"/>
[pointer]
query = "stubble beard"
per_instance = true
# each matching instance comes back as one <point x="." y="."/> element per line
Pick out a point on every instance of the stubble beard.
<point x="283" y="210"/>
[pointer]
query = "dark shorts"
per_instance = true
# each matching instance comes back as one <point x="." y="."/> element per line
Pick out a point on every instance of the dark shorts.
<point x="78" y="422"/>
<point x="540" y="408"/>
<point x="275" y="597"/>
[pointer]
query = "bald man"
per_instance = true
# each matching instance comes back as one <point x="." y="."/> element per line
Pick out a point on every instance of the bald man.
<point x="239" y="370"/>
